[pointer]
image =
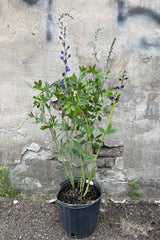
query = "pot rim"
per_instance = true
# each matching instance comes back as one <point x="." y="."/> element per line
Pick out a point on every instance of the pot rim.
<point x="65" y="183"/>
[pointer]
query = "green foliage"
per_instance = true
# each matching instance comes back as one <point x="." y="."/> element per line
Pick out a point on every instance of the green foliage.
<point x="133" y="192"/>
<point x="77" y="111"/>
<point x="6" y="189"/>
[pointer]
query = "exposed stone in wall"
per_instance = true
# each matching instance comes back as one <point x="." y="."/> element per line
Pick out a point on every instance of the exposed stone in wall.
<point x="108" y="155"/>
<point x="36" y="170"/>
<point x="110" y="174"/>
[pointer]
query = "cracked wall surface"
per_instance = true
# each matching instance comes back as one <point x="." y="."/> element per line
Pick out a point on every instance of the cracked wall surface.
<point x="29" y="51"/>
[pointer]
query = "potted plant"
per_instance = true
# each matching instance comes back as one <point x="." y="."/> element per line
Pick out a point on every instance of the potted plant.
<point x="73" y="120"/>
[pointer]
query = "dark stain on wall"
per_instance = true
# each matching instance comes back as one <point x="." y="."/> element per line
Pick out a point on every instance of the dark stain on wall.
<point x="49" y="21"/>
<point x="31" y="2"/>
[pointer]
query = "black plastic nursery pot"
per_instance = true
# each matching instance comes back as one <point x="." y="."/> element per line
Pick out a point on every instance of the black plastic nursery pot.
<point x="79" y="220"/>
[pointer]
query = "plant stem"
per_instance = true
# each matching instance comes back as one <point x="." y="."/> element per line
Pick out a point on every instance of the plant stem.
<point x="95" y="158"/>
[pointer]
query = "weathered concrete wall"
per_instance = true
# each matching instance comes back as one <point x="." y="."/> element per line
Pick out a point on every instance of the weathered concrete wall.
<point x="29" y="51"/>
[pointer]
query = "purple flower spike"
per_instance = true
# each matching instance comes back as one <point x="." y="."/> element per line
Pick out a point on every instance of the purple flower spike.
<point x="69" y="55"/>
<point x="61" y="57"/>
<point x="66" y="91"/>
<point x="62" y="81"/>
<point x="117" y="87"/>
<point x="63" y="74"/>
<point x="67" y="69"/>
<point x="111" y="97"/>
<point x="122" y="86"/>
<point x="117" y="99"/>
<point x="60" y="85"/>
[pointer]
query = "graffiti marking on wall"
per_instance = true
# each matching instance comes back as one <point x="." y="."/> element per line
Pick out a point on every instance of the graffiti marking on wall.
<point x="31" y="2"/>
<point x="126" y="11"/>
<point x="147" y="43"/>
<point x="49" y="21"/>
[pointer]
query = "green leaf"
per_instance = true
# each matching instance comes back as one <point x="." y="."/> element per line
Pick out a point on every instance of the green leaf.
<point x="97" y="160"/>
<point x="68" y="148"/>
<point x="28" y="84"/>
<point x="64" y="144"/>
<point x="73" y="108"/>
<point x="99" y="118"/>
<point x="88" y="160"/>
<point x="31" y="114"/>
<point x="68" y="111"/>
<point x="95" y="145"/>
<point x="59" y="167"/>
<point x="83" y="142"/>
<point x="87" y="157"/>
<point x="56" y="153"/>
<point x="44" y="127"/>
<point x="38" y="120"/>
<point x="110" y="131"/>
<point x="98" y="136"/>
<point x="77" y="144"/>
<point x="101" y="130"/>
<point x="107" y="94"/>
<point x="76" y="152"/>
<point x="92" y="129"/>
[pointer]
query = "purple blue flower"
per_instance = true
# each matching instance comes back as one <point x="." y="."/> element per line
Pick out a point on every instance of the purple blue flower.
<point x="69" y="83"/>
<point x="65" y="60"/>
<point x="67" y="69"/>
<point x="122" y="86"/>
<point x="120" y="79"/>
<point x="60" y="37"/>
<point x="111" y="97"/>
<point x="60" y="85"/>
<point x="68" y="47"/>
<point x="62" y="52"/>
<point x="61" y="57"/>
<point x="117" y="87"/>
<point x="63" y="74"/>
<point x="69" y="55"/>
<point x="62" y="81"/>
<point x="66" y="91"/>
<point x="116" y="99"/>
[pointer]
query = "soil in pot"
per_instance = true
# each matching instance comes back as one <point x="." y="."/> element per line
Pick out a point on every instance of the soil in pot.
<point x="70" y="196"/>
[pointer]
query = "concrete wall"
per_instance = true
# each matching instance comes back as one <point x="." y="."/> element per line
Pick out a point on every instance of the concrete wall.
<point x="29" y="51"/>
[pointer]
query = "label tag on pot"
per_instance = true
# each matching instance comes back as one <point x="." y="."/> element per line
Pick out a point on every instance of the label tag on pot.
<point x="91" y="183"/>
